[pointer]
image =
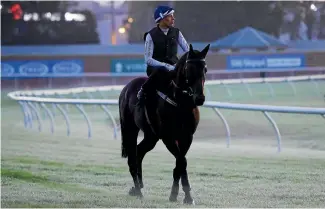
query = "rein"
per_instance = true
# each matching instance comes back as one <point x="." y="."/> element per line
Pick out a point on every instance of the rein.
<point x="188" y="91"/>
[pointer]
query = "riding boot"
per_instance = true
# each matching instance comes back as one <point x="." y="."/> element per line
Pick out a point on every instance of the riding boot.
<point x="157" y="77"/>
<point x="146" y="89"/>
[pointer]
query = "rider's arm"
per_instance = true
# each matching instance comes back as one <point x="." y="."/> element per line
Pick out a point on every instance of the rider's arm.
<point x="148" y="52"/>
<point x="183" y="43"/>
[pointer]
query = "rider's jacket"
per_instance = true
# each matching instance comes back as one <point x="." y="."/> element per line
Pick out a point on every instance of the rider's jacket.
<point x="161" y="47"/>
<point x="165" y="46"/>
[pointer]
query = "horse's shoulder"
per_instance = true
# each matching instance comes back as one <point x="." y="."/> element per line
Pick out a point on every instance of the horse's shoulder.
<point x="196" y="112"/>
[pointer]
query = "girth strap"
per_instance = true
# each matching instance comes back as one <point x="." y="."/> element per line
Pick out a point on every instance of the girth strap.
<point x="166" y="98"/>
<point x="148" y="120"/>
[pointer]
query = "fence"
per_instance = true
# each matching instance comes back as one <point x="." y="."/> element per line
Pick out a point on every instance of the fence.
<point x="29" y="101"/>
<point x="17" y="81"/>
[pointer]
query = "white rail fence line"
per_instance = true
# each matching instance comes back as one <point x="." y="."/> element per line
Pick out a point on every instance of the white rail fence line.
<point x="31" y="103"/>
<point x="212" y="72"/>
<point x="290" y="80"/>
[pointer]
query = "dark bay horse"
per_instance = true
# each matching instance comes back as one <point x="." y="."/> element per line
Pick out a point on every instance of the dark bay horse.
<point x="174" y="117"/>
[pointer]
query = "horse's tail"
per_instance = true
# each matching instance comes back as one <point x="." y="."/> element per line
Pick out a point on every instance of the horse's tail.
<point x="123" y="138"/>
<point x="129" y="129"/>
<point x="122" y="111"/>
<point x="123" y="147"/>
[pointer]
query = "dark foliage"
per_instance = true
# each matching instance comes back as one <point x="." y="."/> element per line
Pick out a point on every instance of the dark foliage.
<point x="46" y="32"/>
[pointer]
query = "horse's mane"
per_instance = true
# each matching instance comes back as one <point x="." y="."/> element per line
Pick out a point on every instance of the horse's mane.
<point x="180" y="65"/>
<point x="181" y="62"/>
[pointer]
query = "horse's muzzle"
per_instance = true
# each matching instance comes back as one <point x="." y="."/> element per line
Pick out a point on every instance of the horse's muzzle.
<point x="199" y="100"/>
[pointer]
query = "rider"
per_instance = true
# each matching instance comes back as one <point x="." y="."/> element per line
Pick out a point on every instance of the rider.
<point x="161" y="44"/>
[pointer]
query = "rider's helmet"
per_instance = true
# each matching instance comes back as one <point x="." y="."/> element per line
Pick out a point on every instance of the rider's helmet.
<point x="161" y="12"/>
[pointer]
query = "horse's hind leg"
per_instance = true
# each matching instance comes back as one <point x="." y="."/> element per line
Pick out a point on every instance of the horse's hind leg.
<point x="147" y="144"/>
<point x="130" y="135"/>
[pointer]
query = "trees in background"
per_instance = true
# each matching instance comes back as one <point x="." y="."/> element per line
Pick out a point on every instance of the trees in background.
<point x="210" y="20"/>
<point x="199" y="21"/>
<point x="205" y="21"/>
<point x="17" y="30"/>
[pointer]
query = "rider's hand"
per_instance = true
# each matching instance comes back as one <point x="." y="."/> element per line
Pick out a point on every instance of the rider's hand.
<point x="170" y="67"/>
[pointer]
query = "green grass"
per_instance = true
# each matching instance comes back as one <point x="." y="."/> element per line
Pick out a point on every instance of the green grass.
<point x="40" y="169"/>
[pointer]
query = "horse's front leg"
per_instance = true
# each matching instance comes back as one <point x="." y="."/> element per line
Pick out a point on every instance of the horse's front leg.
<point x="172" y="147"/>
<point x="185" y="182"/>
<point x="184" y="145"/>
<point x="176" y="176"/>
<point x="180" y="172"/>
<point x="180" y="169"/>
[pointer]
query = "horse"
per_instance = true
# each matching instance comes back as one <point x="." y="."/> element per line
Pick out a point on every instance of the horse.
<point x="174" y="118"/>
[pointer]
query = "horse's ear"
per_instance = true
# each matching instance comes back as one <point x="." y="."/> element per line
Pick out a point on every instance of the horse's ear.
<point x="190" y="52"/>
<point x="191" y="48"/>
<point x="205" y="50"/>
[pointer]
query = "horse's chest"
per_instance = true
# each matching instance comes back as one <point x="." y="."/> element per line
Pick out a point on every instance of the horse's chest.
<point x="196" y="114"/>
<point x="178" y="123"/>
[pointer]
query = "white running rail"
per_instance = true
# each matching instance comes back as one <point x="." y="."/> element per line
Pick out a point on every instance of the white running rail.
<point x="31" y="100"/>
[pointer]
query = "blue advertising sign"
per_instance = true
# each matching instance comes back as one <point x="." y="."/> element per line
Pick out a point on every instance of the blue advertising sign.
<point x="42" y="68"/>
<point x="128" y="65"/>
<point x="270" y="61"/>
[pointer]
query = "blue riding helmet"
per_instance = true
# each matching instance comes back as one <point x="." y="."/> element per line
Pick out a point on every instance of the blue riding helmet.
<point x="161" y="12"/>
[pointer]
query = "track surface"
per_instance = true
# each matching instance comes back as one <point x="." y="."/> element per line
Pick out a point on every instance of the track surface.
<point x="45" y="170"/>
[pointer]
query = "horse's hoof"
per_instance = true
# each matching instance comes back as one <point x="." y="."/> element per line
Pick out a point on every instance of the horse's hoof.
<point x="132" y="192"/>
<point x="172" y="198"/>
<point x="174" y="193"/>
<point x="135" y="192"/>
<point x="189" y="201"/>
<point x="141" y="185"/>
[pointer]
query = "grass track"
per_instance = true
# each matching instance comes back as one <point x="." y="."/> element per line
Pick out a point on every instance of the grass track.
<point x="45" y="170"/>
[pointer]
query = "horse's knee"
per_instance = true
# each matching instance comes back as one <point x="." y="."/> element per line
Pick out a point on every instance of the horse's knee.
<point x="131" y="163"/>
<point x="176" y="175"/>
<point x="181" y="163"/>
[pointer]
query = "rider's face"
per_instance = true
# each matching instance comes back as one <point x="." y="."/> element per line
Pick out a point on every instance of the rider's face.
<point x="169" y="20"/>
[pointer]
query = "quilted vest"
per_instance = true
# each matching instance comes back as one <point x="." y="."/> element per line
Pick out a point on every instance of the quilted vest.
<point x="165" y="46"/>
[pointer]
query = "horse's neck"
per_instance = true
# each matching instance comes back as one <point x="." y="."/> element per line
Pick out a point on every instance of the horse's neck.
<point x="178" y="76"/>
<point x="174" y="83"/>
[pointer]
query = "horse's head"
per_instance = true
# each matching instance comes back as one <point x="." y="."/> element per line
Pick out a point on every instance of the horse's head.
<point x="191" y="76"/>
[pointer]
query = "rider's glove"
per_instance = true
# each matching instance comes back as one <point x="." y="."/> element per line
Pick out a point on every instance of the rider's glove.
<point x="169" y="67"/>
